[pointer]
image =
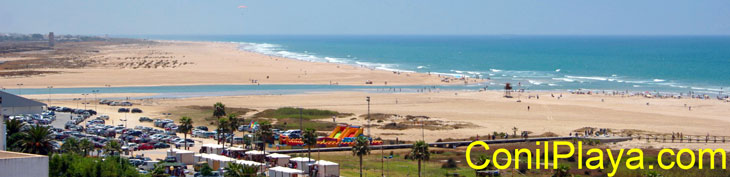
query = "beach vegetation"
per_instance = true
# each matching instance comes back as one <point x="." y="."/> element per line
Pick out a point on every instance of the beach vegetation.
<point x="290" y="112"/>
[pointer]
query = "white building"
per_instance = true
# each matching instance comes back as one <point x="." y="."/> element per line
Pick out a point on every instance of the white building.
<point x="13" y="105"/>
<point x="17" y="164"/>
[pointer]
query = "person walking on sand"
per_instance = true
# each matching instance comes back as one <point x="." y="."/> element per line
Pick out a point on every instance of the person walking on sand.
<point x="528" y="108"/>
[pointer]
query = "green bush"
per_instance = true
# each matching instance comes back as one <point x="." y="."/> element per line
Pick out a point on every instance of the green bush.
<point x="73" y="165"/>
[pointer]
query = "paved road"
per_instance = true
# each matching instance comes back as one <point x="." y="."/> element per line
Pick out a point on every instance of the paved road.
<point x="61" y="119"/>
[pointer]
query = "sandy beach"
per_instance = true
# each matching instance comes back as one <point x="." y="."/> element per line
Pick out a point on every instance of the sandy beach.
<point x="484" y="112"/>
<point x="199" y="63"/>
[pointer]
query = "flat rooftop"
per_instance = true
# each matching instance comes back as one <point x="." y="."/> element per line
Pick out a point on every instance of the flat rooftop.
<point x="12" y="155"/>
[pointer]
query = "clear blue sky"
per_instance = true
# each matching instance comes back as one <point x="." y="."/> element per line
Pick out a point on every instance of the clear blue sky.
<point x="418" y="17"/>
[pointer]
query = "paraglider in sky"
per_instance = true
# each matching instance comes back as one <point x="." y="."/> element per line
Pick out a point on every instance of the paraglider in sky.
<point x="241" y="6"/>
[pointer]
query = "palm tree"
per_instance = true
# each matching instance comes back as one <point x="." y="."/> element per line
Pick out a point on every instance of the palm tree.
<point x="419" y="152"/>
<point x="222" y="129"/>
<point x="71" y="145"/>
<point x="361" y="148"/>
<point x="264" y="132"/>
<point x="13" y="132"/>
<point x="233" y="124"/>
<point x="113" y="146"/>
<point x="13" y="126"/>
<point x="309" y="138"/>
<point x="561" y="171"/>
<point x="240" y="170"/>
<point x="483" y="159"/>
<point x="219" y="110"/>
<point x="36" y="140"/>
<point x="186" y="124"/>
<point x="158" y="171"/>
<point x="86" y="146"/>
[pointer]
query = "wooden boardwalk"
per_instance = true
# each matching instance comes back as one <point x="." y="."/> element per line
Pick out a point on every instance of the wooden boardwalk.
<point x="459" y="143"/>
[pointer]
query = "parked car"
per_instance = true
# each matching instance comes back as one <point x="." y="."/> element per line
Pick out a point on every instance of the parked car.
<point x="123" y="110"/>
<point x="104" y="117"/>
<point x="145" y="119"/>
<point x="182" y="143"/>
<point x="136" y="110"/>
<point x="204" y="128"/>
<point x="146" y="146"/>
<point x="161" y="145"/>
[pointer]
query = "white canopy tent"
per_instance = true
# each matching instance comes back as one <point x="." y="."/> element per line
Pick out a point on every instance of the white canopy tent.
<point x="302" y="163"/>
<point x="279" y="159"/>
<point x="284" y="172"/>
<point x="327" y="168"/>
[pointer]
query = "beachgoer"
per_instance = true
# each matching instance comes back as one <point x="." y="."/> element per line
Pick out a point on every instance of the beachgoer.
<point x="528" y="108"/>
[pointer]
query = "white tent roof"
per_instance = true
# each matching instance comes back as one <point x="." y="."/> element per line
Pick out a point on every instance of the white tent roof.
<point x="246" y="162"/>
<point x="286" y="170"/>
<point x="301" y="159"/>
<point x="324" y="162"/>
<point x="275" y="155"/>
<point x="236" y="149"/>
<point x="255" y="152"/>
<point x="180" y="151"/>
<point x="216" y="157"/>
<point x="213" y="145"/>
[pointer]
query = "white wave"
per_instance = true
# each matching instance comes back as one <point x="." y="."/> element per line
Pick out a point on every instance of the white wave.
<point x="659" y="80"/>
<point x="457" y="71"/>
<point x="636" y="86"/>
<point x="564" y="79"/>
<point x="553" y="85"/>
<point x="557" y="70"/>
<point x="421" y="67"/>
<point x="587" y="77"/>
<point x="534" y="82"/>
<point x="495" y="70"/>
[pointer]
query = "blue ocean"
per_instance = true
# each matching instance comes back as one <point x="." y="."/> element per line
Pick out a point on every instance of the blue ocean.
<point x="635" y="63"/>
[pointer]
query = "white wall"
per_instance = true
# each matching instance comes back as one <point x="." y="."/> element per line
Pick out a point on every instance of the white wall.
<point x="2" y="134"/>
<point x="22" y="167"/>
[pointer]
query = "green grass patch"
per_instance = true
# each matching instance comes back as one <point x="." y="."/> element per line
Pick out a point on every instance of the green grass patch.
<point x="289" y="112"/>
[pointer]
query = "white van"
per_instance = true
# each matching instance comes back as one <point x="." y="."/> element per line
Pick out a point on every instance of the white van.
<point x="148" y="165"/>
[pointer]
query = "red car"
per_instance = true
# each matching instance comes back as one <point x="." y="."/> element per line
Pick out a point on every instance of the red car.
<point x="146" y="146"/>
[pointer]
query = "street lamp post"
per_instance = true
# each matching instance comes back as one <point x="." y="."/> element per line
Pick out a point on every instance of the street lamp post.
<point x="300" y="121"/>
<point x="96" y="92"/>
<point x="368" y="100"/>
<point x="20" y="88"/>
<point x="49" y="94"/>
<point x="84" y="101"/>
